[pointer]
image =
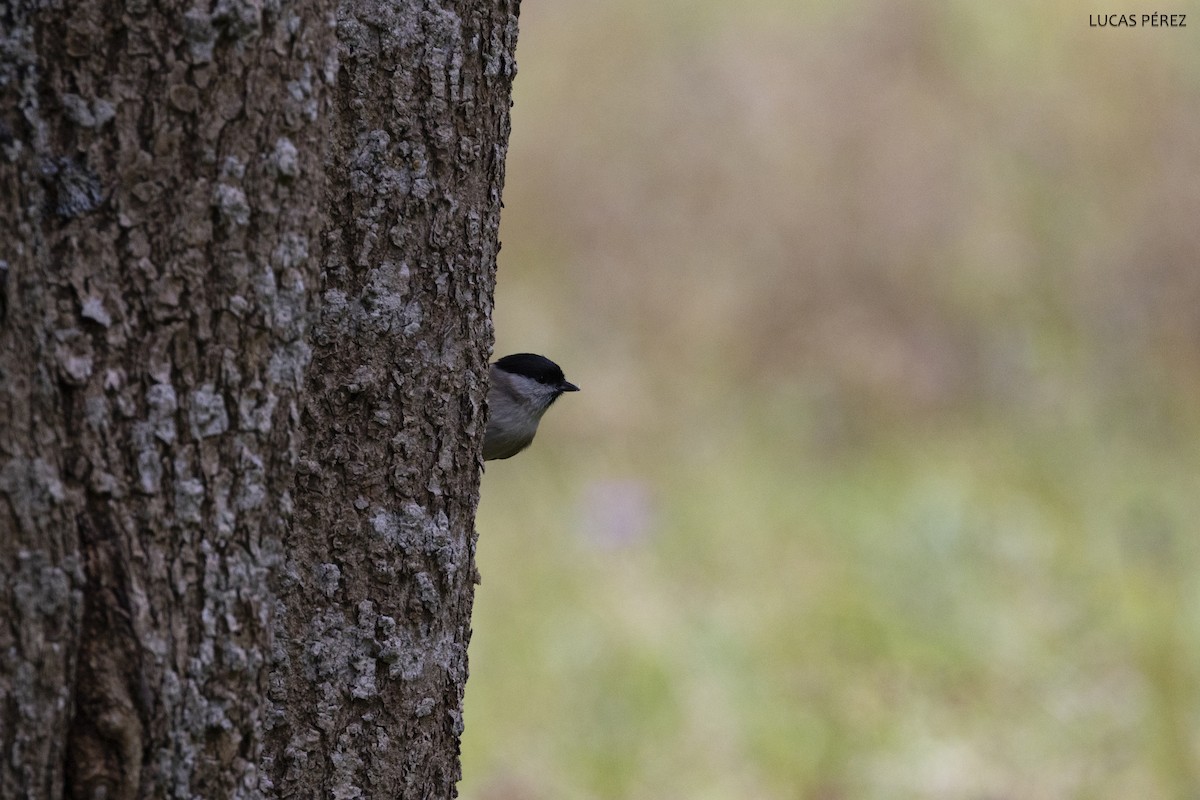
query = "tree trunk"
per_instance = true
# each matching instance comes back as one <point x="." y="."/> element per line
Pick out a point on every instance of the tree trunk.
<point x="245" y="297"/>
<point x="376" y="604"/>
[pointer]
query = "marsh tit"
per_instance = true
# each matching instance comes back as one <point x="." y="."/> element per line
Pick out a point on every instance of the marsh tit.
<point x="523" y="386"/>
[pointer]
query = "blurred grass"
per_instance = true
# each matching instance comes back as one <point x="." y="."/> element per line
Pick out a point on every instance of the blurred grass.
<point x="885" y="478"/>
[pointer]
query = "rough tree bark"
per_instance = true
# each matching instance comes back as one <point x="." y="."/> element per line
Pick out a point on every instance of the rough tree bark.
<point x="246" y="266"/>
<point x="376" y="606"/>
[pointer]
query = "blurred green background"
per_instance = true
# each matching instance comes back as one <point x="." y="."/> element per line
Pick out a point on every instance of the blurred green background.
<point x="885" y="477"/>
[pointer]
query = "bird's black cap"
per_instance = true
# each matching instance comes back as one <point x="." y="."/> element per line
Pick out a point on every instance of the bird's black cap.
<point x="539" y="368"/>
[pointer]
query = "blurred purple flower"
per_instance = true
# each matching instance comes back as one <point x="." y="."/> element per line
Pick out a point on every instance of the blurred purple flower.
<point x="616" y="513"/>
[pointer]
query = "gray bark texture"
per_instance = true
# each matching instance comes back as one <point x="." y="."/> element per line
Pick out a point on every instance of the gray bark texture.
<point x="247" y="253"/>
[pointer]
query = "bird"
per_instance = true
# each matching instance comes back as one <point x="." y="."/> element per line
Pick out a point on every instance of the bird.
<point x="523" y="386"/>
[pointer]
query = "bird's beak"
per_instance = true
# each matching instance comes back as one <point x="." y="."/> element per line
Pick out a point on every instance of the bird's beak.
<point x="567" y="386"/>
